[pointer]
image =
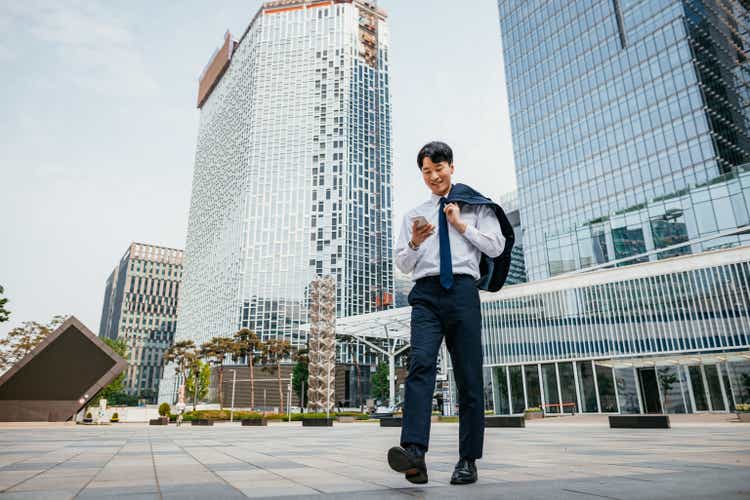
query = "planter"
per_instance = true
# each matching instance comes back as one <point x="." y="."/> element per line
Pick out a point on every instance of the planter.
<point x="348" y="419"/>
<point x="251" y="422"/>
<point x="531" y="415"/>
<point x="505" y="421"/>
<point x="743" y="416"/>
<point x="202" y="421"/>
<point x="159" y="421"/>
<point x="435" y="418"/>
<point x="639" y="421"/>
<point x="317" y="422"/>
<point x="391" y="422"/>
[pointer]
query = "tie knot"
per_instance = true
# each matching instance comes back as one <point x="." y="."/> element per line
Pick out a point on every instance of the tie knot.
<point x="443" y="200"/>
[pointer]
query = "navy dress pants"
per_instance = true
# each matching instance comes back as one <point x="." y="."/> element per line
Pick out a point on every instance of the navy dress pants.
<point x="455" y="315"/>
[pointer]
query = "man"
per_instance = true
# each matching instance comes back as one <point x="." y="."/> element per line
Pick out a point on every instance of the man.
<point x="471" y="249"/>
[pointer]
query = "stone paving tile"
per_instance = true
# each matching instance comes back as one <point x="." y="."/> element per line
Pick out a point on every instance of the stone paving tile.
<point x="227" y="461"/>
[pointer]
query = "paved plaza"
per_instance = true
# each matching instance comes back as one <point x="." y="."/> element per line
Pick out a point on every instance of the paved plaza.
<point x="572" y="457"/>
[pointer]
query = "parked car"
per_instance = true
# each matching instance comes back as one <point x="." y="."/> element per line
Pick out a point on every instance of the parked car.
<point x="387" y="411"/>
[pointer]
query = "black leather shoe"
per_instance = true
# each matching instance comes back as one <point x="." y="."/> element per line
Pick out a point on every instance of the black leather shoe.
<point x="410" y="462"/>
<point x="465" y="472"/>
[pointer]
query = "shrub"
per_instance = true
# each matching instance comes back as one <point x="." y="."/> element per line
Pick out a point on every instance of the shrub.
<point x="88" y="415"/>
<point x="164" y="409"/>
<point x="743" y="407"/>
<point x="248" y="415"/>
<point x="115" y="417"/>
<point x="533" y="409"/>
<point x="349" y="414"/>
<point x="317" y="415"/>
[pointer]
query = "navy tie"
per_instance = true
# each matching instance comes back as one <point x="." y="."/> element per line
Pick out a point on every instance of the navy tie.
<point x="446" y="264"/>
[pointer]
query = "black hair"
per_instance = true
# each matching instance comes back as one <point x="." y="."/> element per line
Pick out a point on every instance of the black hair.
<point x="436" y="151"/>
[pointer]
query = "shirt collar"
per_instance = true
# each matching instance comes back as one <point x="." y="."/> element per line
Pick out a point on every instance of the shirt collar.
<point x="435" y="199"/>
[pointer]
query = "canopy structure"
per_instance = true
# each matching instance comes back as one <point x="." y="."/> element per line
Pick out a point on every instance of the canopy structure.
<point x="386" y="332"/>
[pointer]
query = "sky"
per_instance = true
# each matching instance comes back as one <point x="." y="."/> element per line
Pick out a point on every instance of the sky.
<point x="99" y="126"/>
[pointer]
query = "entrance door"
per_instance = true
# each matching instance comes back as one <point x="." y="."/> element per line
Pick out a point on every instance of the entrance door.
<point x="649" y="390"/>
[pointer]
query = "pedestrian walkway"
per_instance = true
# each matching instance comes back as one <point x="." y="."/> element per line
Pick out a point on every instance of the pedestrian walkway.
<point x="558" y="458"/>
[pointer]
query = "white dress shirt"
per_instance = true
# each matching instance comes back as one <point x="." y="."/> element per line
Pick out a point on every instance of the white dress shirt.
<point x="482" y="235"/>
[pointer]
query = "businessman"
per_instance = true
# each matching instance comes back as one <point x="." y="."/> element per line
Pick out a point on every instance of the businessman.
<point x="453" y="244"/>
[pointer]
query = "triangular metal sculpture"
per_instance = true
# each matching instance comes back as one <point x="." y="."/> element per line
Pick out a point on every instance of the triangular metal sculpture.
<point x="59" y="376"/>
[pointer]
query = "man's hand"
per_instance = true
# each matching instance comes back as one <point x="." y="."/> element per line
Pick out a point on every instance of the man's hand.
<point x="453" y="214"/>
<point x="421" y="233"/>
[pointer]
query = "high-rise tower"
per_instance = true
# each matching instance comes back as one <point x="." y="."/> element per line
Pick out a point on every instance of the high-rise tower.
<point x="630" y="125"/>
<point x="292" y="172"/>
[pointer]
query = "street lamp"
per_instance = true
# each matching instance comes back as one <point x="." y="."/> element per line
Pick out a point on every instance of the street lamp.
<point x="234" y="380"/>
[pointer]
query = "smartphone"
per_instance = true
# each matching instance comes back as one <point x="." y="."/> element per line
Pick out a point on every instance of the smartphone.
<point x="420" y="220"/>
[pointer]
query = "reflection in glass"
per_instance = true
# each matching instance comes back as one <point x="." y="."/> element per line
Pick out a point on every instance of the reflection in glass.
<point x="628" y="241"/>
<point x="568" y="388"/>
<point x="704" y="216"/>
<point x="699" y="391"/>
<point x="670" y="229"/>
<point x="685" y="384"/>
<point x="516" y="389"/>
<point x="606" y="381"/>
<point x="549" y="382"/>
<point x="669" y="385"/>
<point x="600" y="247"/>
<point x="586" y="386"/>
<point x="714" y="387"/>
<point x="502" y="407"/>
<point x="727" y="386"/>
<point x="627" y="391"/>
<point x="739" y="372"/>
<point x="488" y="399"/>
<point x="533" y="391"/>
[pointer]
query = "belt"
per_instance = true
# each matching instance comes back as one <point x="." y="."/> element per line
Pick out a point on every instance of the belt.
<point x="436" y="278"/>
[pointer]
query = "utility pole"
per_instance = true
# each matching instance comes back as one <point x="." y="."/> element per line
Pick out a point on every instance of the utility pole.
<point x="234" y="380"/>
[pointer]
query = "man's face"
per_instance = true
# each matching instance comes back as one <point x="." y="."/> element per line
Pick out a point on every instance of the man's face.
<point x="437" y="176"/>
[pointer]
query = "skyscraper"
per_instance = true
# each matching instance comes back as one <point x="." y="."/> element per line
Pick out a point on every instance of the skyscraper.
<point x="292" y="174"/>
<point x="630" y="127"/>
<point x="517" y="272"/>
<point x="140" y="307"/>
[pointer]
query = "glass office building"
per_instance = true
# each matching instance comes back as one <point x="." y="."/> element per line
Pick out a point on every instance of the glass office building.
<point x="517" y="271"/>
<point x="626" y="116"/>
<point x="671" y="336"/>
<point x="293" y="172"/>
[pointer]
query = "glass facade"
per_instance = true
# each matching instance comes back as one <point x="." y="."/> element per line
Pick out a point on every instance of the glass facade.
<point x="618" y="108"/>
<point x="671" y="336"/>
<point x="517" y="271"/>
<point x="293" y="175"/>
<point x="691" y="303"/>
<point x="312" y="169"/>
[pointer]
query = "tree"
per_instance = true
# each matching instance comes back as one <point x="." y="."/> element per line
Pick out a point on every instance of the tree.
<point x="4" y="313"/>
<point x="274" y="351"/>
<point x="380" y="385"/>
<point x="182" y="354"/>
<point x="23" y="339"/>
<point x="201" y="373"/>
<point x="216" y="351"/>
<point x="667" y="380"/>
<point x="300" y="375"/>
<point x="247" y="344"/>
<point x="114" y="392"/>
